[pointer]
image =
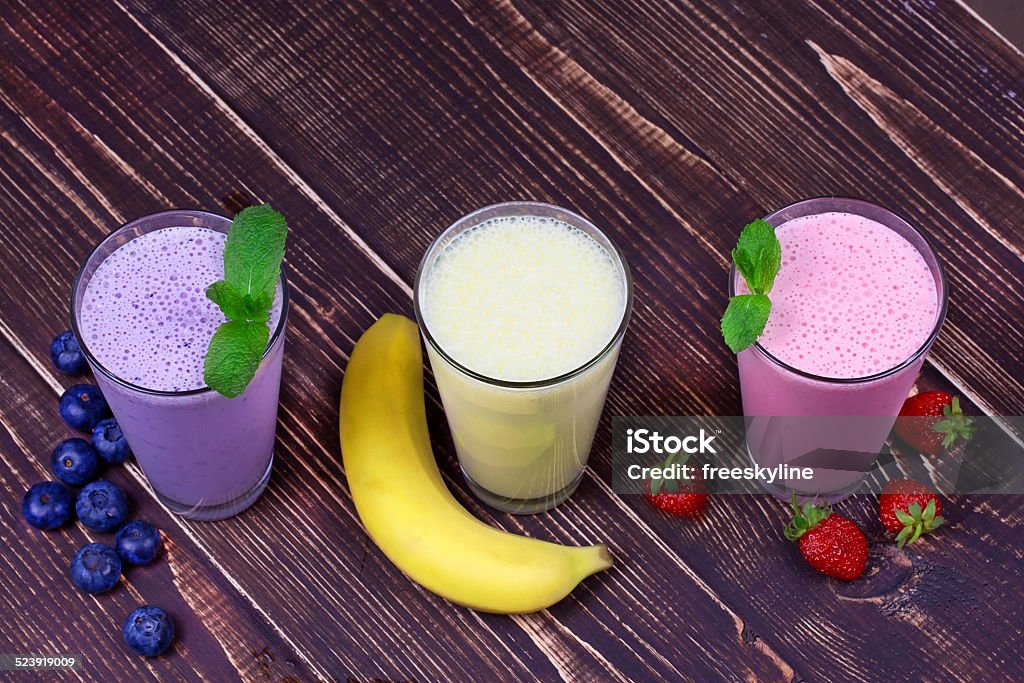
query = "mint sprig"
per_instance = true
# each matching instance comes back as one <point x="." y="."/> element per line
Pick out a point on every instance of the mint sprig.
<point x="252" y="266"/>
<point x="758" y="257"/>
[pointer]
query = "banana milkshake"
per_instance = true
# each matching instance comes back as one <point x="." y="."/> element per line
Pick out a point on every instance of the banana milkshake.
<point x="523" y="307"/>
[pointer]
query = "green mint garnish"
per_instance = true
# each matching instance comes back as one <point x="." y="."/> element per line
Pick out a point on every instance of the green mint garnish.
<point x="252" y="267"/>
<point x="758" y="257"/>
<point x="235" y="352"/>
<point x="744" y="320"/>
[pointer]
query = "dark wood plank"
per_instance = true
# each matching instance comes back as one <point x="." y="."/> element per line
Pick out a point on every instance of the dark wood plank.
<point x="99" y="137"/>
<point x="219" y="633"/>
<point x="670" y="126"/>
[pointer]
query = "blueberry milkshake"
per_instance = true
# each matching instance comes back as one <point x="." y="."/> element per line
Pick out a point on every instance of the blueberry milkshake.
<point x="143" y="318"/>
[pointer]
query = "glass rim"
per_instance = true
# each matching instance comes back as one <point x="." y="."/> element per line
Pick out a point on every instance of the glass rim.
<point x="106" y="372"/>
<point x="940" y="316"/>
<point x="545" y="210"/>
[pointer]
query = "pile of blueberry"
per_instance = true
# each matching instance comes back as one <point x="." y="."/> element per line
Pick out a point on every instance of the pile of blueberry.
<point x="99" y="504"/>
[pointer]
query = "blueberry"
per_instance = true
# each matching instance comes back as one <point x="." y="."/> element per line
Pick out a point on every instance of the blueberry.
<point x="101" y="505"/>
<point x="47" y="505"/>
<point x="66" y="355"/>
<point x="95" y="568"/>
<point x="82" y="406"/>
<point x="148" y="630"/>
<point x="137" y="542"/>
<point x="75" y="462"/>
<point x="110" y="442"/>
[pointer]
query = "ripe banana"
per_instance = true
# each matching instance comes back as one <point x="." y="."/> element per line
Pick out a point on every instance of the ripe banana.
<point x="408" y="510"/>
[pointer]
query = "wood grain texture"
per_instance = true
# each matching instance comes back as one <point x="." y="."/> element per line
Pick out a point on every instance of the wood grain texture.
<point x="392" y="628"/>
<point x="754" y="119"/>
<point x="373" y="126"/>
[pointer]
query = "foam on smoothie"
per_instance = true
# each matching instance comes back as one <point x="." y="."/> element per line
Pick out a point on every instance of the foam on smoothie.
<point x="523" y="298"/>
<point x="145" y="315"/>
<point x="853" y="298"/>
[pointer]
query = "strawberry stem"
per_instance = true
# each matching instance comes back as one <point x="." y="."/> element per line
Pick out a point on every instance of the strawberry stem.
<point x="805" y="518"/>
<point x="917" y="522"/>
<point x="671" y="484"/>
<point x="954" y="424"/>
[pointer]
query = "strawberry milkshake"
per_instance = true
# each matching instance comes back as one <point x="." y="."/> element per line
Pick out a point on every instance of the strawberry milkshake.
<point x="857" y="302"/>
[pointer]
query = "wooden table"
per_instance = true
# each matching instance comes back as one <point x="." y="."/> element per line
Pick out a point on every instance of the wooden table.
<point x="372" y="127"/>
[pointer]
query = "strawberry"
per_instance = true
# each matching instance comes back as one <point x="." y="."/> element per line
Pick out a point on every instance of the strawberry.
<point x="829" y="542"/>
<point x="909" y="509"/>
<point x="682" y="496"/>
<point x="931" y="421"/>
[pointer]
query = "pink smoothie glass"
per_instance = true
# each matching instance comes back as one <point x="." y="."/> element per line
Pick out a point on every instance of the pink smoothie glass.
<point x="206" y="457"/>
<point x="835" y="425"/>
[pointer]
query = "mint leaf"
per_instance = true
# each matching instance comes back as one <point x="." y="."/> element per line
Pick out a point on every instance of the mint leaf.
<point x="744" y="320"/>
<point x="230" y="300"/>
<point x="252" y="268"/>
<point x="237" y="306"/>
<point x="235" y="353"/>
<point x="758" y="256"/>
<point x="257" y="309"/>
<point x="254" y="250"/>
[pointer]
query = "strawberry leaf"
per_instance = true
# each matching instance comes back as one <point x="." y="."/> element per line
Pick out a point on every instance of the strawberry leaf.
<point x="955" y="424"/>
<point x="805" y="519"/>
